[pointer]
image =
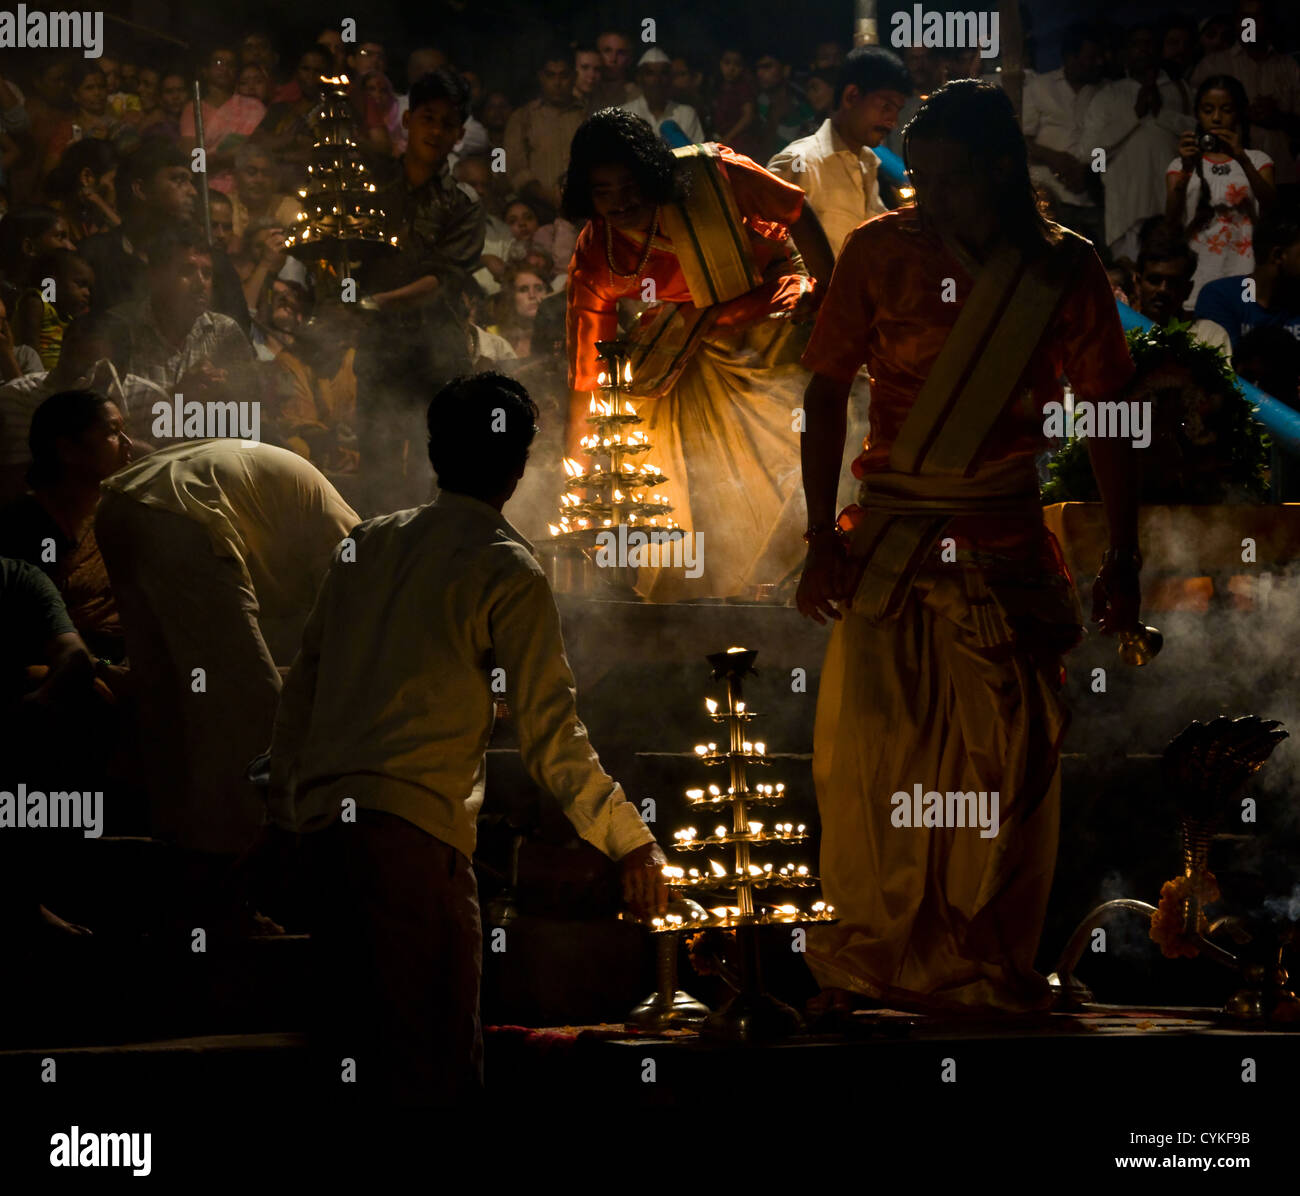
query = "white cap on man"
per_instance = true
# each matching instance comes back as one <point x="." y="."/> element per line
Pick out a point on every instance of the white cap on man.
<point x="654" y="54"/>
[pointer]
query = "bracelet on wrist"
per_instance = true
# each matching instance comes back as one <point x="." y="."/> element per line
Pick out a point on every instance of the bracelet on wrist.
<point x="819" y="531"/>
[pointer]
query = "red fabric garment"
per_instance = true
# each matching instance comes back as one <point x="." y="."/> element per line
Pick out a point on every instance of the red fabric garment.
<point x="768" y="205"/>
<point x="885" y="309"/>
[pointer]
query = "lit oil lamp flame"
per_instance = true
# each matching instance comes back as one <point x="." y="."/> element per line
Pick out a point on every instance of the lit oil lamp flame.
<point x="718" y="869"/>
<point x="755" y="828"/>
<point x="760" y="748"/>
<point x="555" y="531"/>
<point x="701" y="750"/>
<point x="627" y="371"/>
<point x="720" y="832"/>
<point x="740" y="707"/>
<point x="712" y="705"/>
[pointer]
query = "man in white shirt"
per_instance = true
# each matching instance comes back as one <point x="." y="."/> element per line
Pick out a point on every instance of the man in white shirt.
<point x="1271" y="80"/>
<point x="381" y="736"/>
<point x="654" y="73"/>
<point x="1054" y="106"/>
<point x="835" y="166"/>
<point x="1136" y="120"/>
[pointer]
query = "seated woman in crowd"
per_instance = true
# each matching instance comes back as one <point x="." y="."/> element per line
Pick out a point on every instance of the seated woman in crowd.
<point x="522" y="290"/>
<point x="173" y="99"/>
<point x="1216" y="187"/>
<point x="90" y="116"/>
<point x="83" y="188"/>
<point x="382" y="119"/>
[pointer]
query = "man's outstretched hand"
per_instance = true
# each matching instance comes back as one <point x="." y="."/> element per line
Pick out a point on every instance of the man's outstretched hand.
<point x="644" y="887"/>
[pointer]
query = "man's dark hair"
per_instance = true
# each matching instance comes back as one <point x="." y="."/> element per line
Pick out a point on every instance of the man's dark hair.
<point x="1280" y="230"/>
<point x="79" y="72"/>
<point x="1078" y="35"/>
<point x="17" y="227"/>
<point x="555" y="52"/>
<point x="168" y="242"/>
<point x="583" y="48"/>
<point x="871" y="68"/>
<point x="54" y="263"/>
<point x="1165" y="244"/>
<point x="314" y="48"/>
<point x="480" y="429"/>
<point x="154" y="154"/>
<point x="980" y="116"/>
<point x="442" y="84"/>
<point x="613" y="137"/>
<point x="65" y="415"/>
<point x="1172" y="19"/>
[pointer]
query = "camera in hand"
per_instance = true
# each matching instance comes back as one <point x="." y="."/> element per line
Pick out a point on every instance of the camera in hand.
<point x="1208" y="143"/>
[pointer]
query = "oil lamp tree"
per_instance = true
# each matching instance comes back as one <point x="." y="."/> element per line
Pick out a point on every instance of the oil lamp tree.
<point x="339" y="228"/>
<point x="613" y="490"/>
<point x="753" y="896"/>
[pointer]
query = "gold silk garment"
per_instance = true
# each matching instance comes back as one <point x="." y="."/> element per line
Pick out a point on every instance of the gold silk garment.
<point x="724" y="436"/>
<point x="947" y="695"/>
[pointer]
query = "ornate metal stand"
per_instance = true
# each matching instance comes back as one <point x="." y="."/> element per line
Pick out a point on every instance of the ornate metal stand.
<point x="1206" y="764"/>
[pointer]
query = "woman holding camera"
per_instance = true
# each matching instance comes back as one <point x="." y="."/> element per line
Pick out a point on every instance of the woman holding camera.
<point x="1216" y="187"/>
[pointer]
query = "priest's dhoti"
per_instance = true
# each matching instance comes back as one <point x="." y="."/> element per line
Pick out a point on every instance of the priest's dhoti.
<point x="953" y="696"/>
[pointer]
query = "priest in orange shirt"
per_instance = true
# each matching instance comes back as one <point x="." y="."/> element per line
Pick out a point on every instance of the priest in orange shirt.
<point x="701" y="247"/>
<point x="939" y="719"/>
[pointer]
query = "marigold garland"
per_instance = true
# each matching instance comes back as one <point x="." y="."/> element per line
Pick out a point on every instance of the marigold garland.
<point x="1167" y="926"/>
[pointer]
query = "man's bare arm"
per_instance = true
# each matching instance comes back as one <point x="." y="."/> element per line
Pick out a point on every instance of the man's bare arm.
<point x="821" y="446"/>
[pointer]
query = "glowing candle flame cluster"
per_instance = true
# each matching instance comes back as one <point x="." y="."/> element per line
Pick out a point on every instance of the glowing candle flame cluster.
<point x="745" y="877"/>
<point x="337" y="200"/>
<point x="616" y="489"/>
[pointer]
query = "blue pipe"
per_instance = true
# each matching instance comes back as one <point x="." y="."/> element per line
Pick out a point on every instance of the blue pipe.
<point x="891" y="165"/>
<point x="1282" y="422"/>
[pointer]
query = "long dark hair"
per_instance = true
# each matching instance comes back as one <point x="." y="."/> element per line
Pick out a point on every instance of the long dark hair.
<point x="1232" y="85"/>
<point x="980" y="117"/>
<point x="612" y="137"/>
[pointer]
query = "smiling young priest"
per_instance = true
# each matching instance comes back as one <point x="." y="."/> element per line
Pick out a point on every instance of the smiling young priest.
<point x="944" y="668"/>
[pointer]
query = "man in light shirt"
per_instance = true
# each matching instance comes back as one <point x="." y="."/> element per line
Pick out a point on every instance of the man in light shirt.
<point x="1136" y="120"/>
<point x="835" y="166"/>
<point x="1055" y="104"/>
<point x="380" y="743"/>
<point x="655" y="105"/>
<point x="539" y="132"/>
